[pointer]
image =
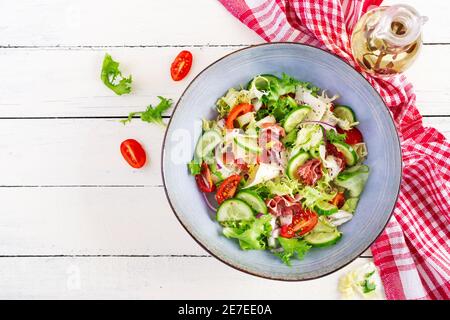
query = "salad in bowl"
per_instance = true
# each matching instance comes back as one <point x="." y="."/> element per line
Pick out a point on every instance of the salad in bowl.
<point x="282" y="166"/>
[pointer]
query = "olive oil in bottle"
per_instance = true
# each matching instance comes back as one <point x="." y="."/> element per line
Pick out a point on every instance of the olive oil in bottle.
<point x="386" y="40"/>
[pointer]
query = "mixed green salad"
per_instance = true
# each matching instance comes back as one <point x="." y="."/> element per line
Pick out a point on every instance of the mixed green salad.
<point x="284" y="163"/>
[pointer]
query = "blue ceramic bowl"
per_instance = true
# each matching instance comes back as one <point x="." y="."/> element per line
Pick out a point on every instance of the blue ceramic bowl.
<point x="327" y="72"/>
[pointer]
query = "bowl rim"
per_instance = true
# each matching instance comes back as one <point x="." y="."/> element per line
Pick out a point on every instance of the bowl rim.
<point x="230" y="264"/>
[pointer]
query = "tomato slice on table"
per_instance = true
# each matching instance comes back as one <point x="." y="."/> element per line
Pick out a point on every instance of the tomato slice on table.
<point x="181" y="65"/>
<point x="133" y="153"/>
<point x="228" y="188"/>
<point x="353" y="136"/>
<point x="236" y="112"/>
<point x="204" y="179"/>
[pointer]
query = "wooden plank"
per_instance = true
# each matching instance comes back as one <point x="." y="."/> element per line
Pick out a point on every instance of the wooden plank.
<point x="91" y="221"/>
<point x="67" y="152"/>
<point x="150" y="278"/>
<point x="76" y="152"/>
<point x="113" y="23"/>
<point x="440" y="123"/>
<point x="141" y="22"/>
<point x="65" y="83"/>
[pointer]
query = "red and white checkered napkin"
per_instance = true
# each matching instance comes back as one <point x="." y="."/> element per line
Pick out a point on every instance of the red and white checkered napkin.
<point x="413" y="253"/>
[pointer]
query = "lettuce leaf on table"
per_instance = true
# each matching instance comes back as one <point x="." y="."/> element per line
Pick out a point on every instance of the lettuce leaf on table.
<point x="112" y="76"/>
<point x="152" y="114"/>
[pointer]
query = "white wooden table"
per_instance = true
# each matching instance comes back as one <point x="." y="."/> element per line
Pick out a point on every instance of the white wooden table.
<point x="75" y="220"/>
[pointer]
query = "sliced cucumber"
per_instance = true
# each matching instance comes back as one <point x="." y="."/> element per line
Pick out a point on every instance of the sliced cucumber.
<point x="325" y="208"/>
<point x="323" y="226"/>
<point x="234" y="210"/>
<point x="207" y="142"/>
<point x="294" y="118"/>
<point x="262" y="82"/>
<point x="248" y="143"/>
<point x="349" y="154"/>
<point x="345" y="113"/>
<point x="295" y="162"/>
<point x="253" y="200"/>
<point x="323" y="239"/>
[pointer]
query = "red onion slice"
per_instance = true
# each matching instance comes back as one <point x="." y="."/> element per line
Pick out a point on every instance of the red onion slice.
<point x="210" y="206"/>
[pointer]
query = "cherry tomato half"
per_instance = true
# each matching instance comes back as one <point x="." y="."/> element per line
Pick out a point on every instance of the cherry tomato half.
<point x="204" y="179"/>
<point x="287" y="231"/>
<point x="302" y="223"/>
<point x="181" y="65"/>
<point x="133" y="153"/>
<point x="227" y="188"/>
<point x="353" y="135"/>
<point x="237" y="111"/>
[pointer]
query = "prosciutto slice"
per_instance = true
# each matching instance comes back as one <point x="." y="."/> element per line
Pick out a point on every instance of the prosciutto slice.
<point x="310" y="172"/>
<point x="282" y="206"/>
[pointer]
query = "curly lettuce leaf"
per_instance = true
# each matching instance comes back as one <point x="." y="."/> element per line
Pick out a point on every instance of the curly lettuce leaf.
<point x="277" y="89"/>
<point x="112" y="77"/>
<point x="152" y="114"/>
<point x="292" y="248"/>
<point x="333" y="136"/>
<point x="289" y="139"/>
<point x="313" y="195"/>
<point x="283" y="186"/>
<point x="252" y="235"/>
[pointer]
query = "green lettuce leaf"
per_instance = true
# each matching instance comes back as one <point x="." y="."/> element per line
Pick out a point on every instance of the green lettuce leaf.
<point x="251" y="235"/>
<point x="333" y="136"/>
<point x="313" y="195"/>
<point x="152" y="114"/>
<point x="112" y="77"/>
<point x="283" y="186"/>
<point x="290" y="138"/>
<point x="292" y="248"/>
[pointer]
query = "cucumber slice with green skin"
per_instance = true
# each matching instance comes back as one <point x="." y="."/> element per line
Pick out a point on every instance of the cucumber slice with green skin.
<point x="323" y="239"/>
<point x="345" y="113"/>
<point x="234" y="210"/>
<point x="349" y="154"/>
<point x="295" y="162"/>
<point x="262" y="82"/>
<point x="253" y="200"/>
<point x="324" y="208"/>
<point x="207" y="142"/>
<point x="294" y="118"/>
<point x="323" y="226"/>
<point x="247" y="143"/>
